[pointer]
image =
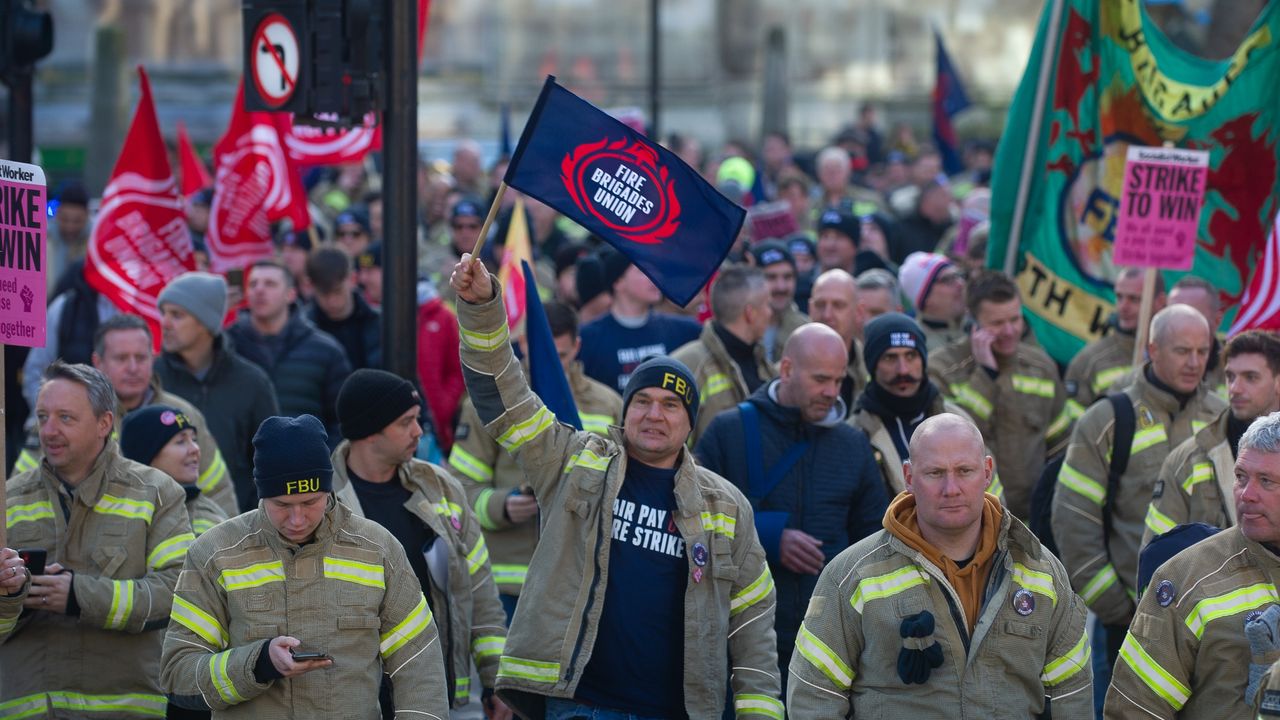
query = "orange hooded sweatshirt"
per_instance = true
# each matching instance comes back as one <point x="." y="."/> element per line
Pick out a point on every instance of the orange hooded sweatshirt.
<point x="971" y="580"/>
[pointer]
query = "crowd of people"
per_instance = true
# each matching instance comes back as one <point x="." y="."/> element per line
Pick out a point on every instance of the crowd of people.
<point x="845" y="481"/>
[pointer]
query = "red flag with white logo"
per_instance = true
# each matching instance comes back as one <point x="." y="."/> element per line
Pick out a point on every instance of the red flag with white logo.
<point x="255" y="185"/>
<point x="140" y="239"/>
<point x="313" y="145"/>
<point x="195" y="176"/>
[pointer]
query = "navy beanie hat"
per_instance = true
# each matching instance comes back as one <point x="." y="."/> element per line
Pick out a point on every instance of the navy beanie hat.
<point x="291" y="457"/>
<point x="146" y="431"/>
<point x="666" y="373"/>
<point x="372" y="399"/>
<point x="891" y="330"/>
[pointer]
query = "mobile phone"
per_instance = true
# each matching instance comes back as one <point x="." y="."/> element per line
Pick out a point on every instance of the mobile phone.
<point x="308" y="654"/>
<point x="34" y="559"/>
<point x="235" y="277"/>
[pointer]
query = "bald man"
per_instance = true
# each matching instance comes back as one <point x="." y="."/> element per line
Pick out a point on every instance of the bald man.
<point x="834" y="303"/>
<point x="953" y="604"/>
<point x="811" y="478"/>
<point x="1098" y="525"/>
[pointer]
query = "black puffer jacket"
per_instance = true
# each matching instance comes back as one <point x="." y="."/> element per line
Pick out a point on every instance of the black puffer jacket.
<point x="306" y="365"/>
<point x="235" y="396"/>
<point x="833" y="492"/>
<point x="360" y="334"/>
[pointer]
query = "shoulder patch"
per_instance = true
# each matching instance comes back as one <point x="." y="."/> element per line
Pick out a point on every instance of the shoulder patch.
<point x="1165" y="593"/>
<point x="1270" y="705"/>
<point x="1145" y="418"/>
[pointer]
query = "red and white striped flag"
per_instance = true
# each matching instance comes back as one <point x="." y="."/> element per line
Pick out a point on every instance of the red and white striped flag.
<point x="1260" y="306"/>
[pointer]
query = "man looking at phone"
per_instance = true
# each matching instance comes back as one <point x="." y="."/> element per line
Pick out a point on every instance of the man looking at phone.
<point x="296" y="609"/>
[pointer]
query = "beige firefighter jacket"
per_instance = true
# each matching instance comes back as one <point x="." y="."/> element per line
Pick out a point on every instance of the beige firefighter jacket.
<point x="1096" y="368"/>
<point x="719" y="379"/>
<point x="213" y="481"/>
<point x="1105" y="575"/>
<point x="576" y="477"/>
<point x="790" y="321"/>
<point x="1028" y="645"/>
<point x="489" y="475"/>
<point x="938" y="335"/>
<point x="1022" y="412"/>
<point x="1195" y="483"/>
<point x="124" y="534"/>
<point x="1186" y="655"/>
<point x="475" y="623"/>
<point x="204" y="513"/>
<point x="349" y="593"/>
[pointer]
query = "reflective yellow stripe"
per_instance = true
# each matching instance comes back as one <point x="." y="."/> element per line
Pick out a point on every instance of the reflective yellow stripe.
<point x="213" y="474"/>
<point x="462" y="689"/>
<point x="121" y="605"/>
<point x="1159" y="680"/>
<point x="1200" y="472"/>
<point x="1029" y="385"/>
<point x="966" y="396"/>
<point x="199" y="622"/>
<point x="142" y="510"/>
<point x="130" y="703"/>
<point x="222" y="681"/>
<point x="470" y="465"/>
<point x="598" y="424"/>
<point x="1106" y="378"/>
<point x="1077" y="482"/>
<point x="748" y="704"/>
<point x="26" y="461"/>
<point x="24" y="707"/>
<point x="478" y="556"/>
<point x="1064" y="668"/>
<point x="1233" y="603"/>
<point x="887" y="585"/>
<point x="200" y="526"/>
<point x="354" y="571"/>
<point x="510" y="574"/>
<point x="752" y="594"/>
<point x="589" y="460"/>
<point x="251" y="576"/>
<point x="997" y="487"/>
<point x="482" y="341"/>
<point x="1158" y="522"/>
<point x="520" y="433"/>
<point x="1061" y="423"/>
<point x="1105" y="578"/>
<point x="719" y="523"/>
<point x="535" y="670"/>
<point x="1075" y="409"/>
<point x="31" y="512"/>
<point x="1144" y="439"/>
<point x="1035" y="581"/>
<point x="482" y="508"/>
<point x="824" y="659"/>
<point x="409" y="628"/>
<point x="169" y="551"/>
<point x="487" y="646"/>
<point x="715" y="384"/>
<point x="8" y="624"/>
<point x="1197" y="426"/>
<point x="448" y="507"/>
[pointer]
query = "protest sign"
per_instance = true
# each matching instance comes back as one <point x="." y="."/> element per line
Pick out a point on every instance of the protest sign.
<point x="1160" y="207"/>
<point x="771" y="221"/>
<point x="22" y="254"/>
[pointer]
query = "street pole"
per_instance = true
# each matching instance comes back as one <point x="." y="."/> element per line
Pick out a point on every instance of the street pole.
<point x="400" y="193"/>
<point x="655" y="72"/>
<point x="20" y="112"/>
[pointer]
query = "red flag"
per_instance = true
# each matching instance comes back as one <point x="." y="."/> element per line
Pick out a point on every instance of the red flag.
<point x="256" y="185"/>
<point x="1260" y="305"/>
<point x="195" y="176"/>
<point x="140" y="239"/>
<point x="310" y="145"/>
<point x="424" y="9"/>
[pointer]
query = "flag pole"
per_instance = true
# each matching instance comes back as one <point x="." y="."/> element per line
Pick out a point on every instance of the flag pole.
<point x="493" y="213"/>
<point x="1047" y="62"/>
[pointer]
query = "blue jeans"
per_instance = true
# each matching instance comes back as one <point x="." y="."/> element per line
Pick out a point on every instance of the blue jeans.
<point x="561" y="709"/>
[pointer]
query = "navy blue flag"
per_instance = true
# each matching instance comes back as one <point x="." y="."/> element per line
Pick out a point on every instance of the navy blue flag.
<point x="546" y="374"/>
<point x="504" y="131"/>
<point x="949" y="99"/>
<point x="634" y="194"/>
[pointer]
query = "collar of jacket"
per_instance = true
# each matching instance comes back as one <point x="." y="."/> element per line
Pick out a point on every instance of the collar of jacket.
<point x="735" y="348"/>
<point x="1258" y="554"/>
<point x="90" y="490"/>
<point x="1012" y="536"/>
<point x="421" y="503"/>
<point x="689" y="500"/>
<point x="766" y="399"/>
<point x="1161" y="399"/>
<point x="334" y="517"/>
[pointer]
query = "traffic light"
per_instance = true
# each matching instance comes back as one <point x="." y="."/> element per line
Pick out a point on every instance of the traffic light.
<point x="26" y="35"/>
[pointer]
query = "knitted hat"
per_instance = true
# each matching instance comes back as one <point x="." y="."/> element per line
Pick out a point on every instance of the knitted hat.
<point x="666" y="373"/>
<point x="466" y="207"/>
<point x="800" y="244"/>
<point x="354" y="216"/>
<point x="917" y="274"/>
<point x="891" y="330"/>
<point x="146" y="431"/>
<point x="202" y="294"/>
<point x="370" y="258"/>
<point x="772" y="252"/>
<point x="290" y="457"/>
<point x="372" y="399"/>
<point x="842" y="222"/>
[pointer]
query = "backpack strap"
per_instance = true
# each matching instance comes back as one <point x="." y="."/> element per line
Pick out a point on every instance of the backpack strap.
<point x="1121" y="445"/>
<point x="760" y="483"/>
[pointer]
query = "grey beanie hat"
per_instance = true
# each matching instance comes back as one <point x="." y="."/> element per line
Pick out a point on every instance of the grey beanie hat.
<point x="202" y="294"/>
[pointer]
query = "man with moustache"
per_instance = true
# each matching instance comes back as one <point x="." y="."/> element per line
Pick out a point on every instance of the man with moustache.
<point x="779" y="268"/>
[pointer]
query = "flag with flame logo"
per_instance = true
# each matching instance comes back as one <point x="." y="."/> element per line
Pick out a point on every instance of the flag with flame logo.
<point x="313" y="145"/>
<point x="140" y="239"/>
<point x="636" y="195"/>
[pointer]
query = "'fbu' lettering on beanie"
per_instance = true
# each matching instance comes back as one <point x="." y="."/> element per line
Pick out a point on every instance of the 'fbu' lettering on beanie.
<point x="291" y="457"/>
<point x="668" y="374"/>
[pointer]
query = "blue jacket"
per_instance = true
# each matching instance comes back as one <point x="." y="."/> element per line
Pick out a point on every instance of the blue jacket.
<point x="833" y="492"/>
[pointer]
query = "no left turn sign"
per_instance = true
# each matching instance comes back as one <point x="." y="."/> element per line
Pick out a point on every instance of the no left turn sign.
<point x="275" y="60"/>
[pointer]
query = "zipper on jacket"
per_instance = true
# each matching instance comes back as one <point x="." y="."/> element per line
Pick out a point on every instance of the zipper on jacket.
<point x="591" y="598"/>
<point x="949" y="593"/>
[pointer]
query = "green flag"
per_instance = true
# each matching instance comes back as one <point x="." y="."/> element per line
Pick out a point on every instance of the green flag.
<point x="1101" y="77"/>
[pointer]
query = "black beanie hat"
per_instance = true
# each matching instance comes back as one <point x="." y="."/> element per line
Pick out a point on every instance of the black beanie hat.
<point x="372" y="399"/>
<point x="146" y="431"/>
<point x="891" y="330"/>
<point x="666" y="373"/>
<point x="291" y="457"/>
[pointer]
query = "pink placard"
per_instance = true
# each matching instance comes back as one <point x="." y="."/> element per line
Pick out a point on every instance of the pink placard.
<point x="1160" y="207"/>
<point x="23" y="254"/>
<point x="771" y="221"/>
